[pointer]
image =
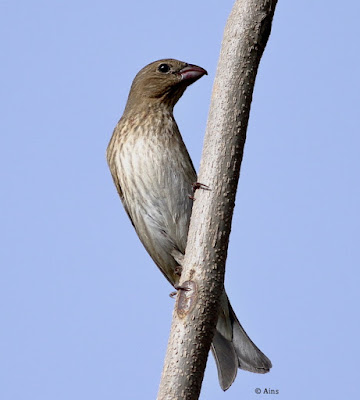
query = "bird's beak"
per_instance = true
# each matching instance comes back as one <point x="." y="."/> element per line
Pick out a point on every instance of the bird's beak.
<point x="192" y="73"/>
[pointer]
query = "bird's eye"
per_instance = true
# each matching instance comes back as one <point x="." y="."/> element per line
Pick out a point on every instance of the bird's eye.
<point x="164" y="68"/>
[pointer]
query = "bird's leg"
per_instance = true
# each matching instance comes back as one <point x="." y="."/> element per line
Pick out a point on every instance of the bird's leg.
<point x="179" y="258"/>
<point x="198" y="185"/>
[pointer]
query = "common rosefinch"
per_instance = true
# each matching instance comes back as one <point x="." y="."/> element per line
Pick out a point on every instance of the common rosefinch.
<point x="154" y="175"/>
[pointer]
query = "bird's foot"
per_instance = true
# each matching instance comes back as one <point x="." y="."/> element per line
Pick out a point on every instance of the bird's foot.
<point x="198" y="185"/>
<point x="178" y="287"/>
<point x="195" y="186"/>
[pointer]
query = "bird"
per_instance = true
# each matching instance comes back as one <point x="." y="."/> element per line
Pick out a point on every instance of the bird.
<point x="154" y="175"/>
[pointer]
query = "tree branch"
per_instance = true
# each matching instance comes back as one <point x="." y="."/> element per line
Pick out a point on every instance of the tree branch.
<point x="195" y="314"/>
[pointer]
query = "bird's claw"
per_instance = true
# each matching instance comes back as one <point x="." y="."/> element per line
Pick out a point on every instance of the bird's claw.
<point x="178" y="287"/>
<point x="195" y="186"/>
<point x="198" y="185"/>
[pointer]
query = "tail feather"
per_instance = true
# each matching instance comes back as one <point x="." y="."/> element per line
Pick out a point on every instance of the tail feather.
<point x="250" y="357"/>
<point x="226" y="360"/>
<point x="233" y="349"/>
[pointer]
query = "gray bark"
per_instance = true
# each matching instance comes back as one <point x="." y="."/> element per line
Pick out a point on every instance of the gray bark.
<point x="195" y="314"/>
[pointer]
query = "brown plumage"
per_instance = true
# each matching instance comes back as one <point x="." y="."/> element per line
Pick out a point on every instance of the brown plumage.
<point x="153" y="174"/>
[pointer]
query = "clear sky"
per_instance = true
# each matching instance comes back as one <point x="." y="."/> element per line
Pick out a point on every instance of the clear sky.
<point x="85" y="314"/>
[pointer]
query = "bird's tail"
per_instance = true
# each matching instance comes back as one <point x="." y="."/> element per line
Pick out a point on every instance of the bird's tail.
<point x="233" y="349"/>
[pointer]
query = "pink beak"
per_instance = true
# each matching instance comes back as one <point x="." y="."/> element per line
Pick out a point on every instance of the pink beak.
<point x="192" y="72"/>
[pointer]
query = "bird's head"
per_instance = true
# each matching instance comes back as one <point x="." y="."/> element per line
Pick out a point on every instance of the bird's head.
<point x="163" y="82"/>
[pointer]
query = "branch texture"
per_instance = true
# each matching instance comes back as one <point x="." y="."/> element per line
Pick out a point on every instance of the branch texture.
<point x="196" y="309"/>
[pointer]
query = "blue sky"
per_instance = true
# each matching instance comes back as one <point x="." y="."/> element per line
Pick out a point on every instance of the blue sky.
<point x="85" y="313"/>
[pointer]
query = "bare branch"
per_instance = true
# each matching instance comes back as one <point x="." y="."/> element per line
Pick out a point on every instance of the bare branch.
<point x="195" y="315"/>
